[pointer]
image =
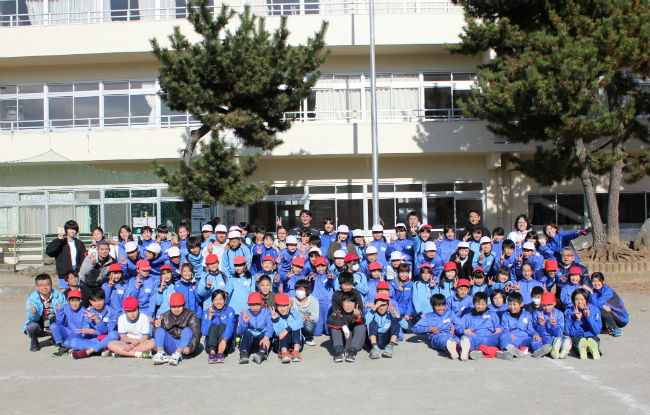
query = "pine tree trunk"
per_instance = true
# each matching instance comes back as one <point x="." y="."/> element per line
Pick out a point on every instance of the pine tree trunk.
<point x="615" y="178"/>
<point x="598" y="230"/>
<point x="195" y="137"/>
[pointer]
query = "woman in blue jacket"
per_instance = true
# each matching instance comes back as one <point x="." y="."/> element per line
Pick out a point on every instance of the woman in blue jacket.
<point x="218" y="326"/>
<point x="556" y="240"/>
<point x="611" y="307"/>
<point x="583" y="324"/>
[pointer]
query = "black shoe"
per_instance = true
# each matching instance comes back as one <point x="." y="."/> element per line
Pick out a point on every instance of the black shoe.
<point x="34" y="347"/>
<point x="61" y="352"/>
<point x="351" y="355"/>
<point x="48" y="342"/>
<point x="338" y="354"/>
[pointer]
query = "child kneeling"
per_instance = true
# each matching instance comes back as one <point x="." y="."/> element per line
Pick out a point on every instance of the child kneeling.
<point x="287" y="325"/>
<point x="442" y="326"/>
<point x="383" y="326"/>
<point x="178" y="332"/>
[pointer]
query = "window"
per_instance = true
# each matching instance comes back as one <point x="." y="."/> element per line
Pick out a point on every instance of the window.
<point x="541" y="209"/>
<point x="116" y="193"/>
<point x="143" y="193"/>
<point x="437" y="102"/>
<point x="116" y="110"/>
<point x="570" y="210"/>
<point x="60" y="110"/>
<point x="440" y="211"/>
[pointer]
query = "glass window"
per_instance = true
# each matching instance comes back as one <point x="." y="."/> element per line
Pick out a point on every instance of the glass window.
<point x="437" y="102"/>
<point x="406" y="206"/>
<point x="139" y="210"/>
<point x="170" y="117"/>
<point x="30" y="113"/>
<point x="463" y="206"/>
<point x="32" y="197"/>
<point x="313" y="190"/>
<point x="8" y="114"/>
<point x="350" y="212"/>
<point x="58" y="215"/>
<point x="116" y="110"/>
<point x="81" y="195"/>
<point x="631" y="209"/>
<point x="469" y="186"/>
<point x="7" y="89"/>
<point x="142" y="109"/>
<point x="440" y="211"/>
<point x="408" y="187"/>
<point x="458" y="76"/>
<point x="437" y="77"/>
<point x="439" y="187"/>
<point x="61" y="196"/>
<point x="264" y="214"/>
<point x="347" y="189"/>
<point x="86" y="111"/>
<point x="86" y="86"/>
<point x="116" y="85"/>
<point x="30" y="89"/>
<point x="289" y="211"/>
<point x="60" y="111"/>
<point x="321" y="209"/>
<point x="116" y="193"/>
<point x="171" y="214"/>
<point x="115" y="215"/>
<point x="55" y="88"/>
<point x="386" y="212"/>
<point x="88" y="218"/>
<point x="143" y="193"/>
<point x="290" y="190"/>
<point x="541" y="209"/>
<point x="8" y="220"/>
<point x="464" y="94"/>
<point x="32" y="219"/>
<point x="168" y="193"/>
<point x="570" y="210"/>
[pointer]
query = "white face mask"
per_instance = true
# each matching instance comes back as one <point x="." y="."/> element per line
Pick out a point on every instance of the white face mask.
<point x="300" y="294"/>
<point x="537" y="301"/>
<point x="355" y="267"/>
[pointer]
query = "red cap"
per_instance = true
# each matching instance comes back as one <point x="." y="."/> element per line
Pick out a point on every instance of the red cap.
<point x="548" y="298"/>
<point x="551" y="265"/>
<point x="374" y="266"/>
<point x="74" y="294"/>
<point x="176" y="299"/>
<point x="425" y="227"/>
<point x="255" y="298"/>
<point x="297" y="261"/>
<point x="575" y="271"/>
<point x="167" y="267"/>
<point x="239" y="260"/>
<point x="382" y="296"/>
<point x="281" y="299"/>
<point x="451" y="265"/>
<point x="115" y="268"/>
<point x="130" y="303"/>
<point x="479" y="269"/>
<point x="383" y="285"/>
<point x="462" y="283"/>
<point x="143" y="264"/>
<point x="351" y="257"/>
<point x="211" y="259"/>
<point x="320" y="261"/>
<point x="426" y="265"/>
<point x="268" y="258"/>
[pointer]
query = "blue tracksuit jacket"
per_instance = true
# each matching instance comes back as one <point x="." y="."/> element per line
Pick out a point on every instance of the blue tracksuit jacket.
<point x="224" y="316"/>
<point x="548" y="332"/>
<point x="483" y="324"/>
<point x="238" y="289"/>
<point x="162" y="299"/>
<point x="436" y="262"/>
<point x="196" y="261"/>
<point x="489" y="263"/>
<point x="146" y="294"/>
<point x="360" y="283"/>
<point x="256" y="266"/>
<point x="284" y="266"/>
<point x="525" y="286"/>
<point x="326" y="240"/>
<point x="447" y="289"/>
<point x="259" y="323"/>
<point x="228" y="267"/>
<point x="459" y="306"/>
<point x="446" y="248"/>
<point x="443" y="322"/>
<point x="384" y="249"/>
<point x="403" y="300"/>
<point x="218" y="281"/>
<point x="193" y="300"/>
<point x="323" y="288"/>
<point x="115" y="294"/>
<point x="607" y="296"/>
<point x="587" y="326"/>
<point x="405" y="246"/>
<point x="554" y="246"/>
<point x="384" y="321"/>
<point x="422" y="292"/>
<point x="499" y="310"/>
<point x="291" y="322"/>
<point x="35" y="299"/>
<point x="107" y="322"/>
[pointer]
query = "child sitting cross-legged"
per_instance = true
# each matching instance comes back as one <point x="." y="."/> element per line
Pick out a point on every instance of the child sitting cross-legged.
<point x="384" y="322"/>
<point x="442" y="326"/>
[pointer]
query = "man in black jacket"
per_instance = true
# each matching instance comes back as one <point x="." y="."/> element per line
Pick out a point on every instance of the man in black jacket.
<point x="68" y="252"/>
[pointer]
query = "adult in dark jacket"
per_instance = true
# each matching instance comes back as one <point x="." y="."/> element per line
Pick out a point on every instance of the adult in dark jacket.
<point x="68" y="252"/>
<point x="305" y="222"/>
<point x="94" y="270"/>
<point x="178" y="332"/>
<point x="474" y="221"/>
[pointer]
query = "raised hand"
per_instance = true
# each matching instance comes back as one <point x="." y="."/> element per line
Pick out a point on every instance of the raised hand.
<point x="503" y="257"/>
<point x="244" y="316"/>
<point x="276" y="279"/>
<point x="279" y="259"/>
<point x="208" y="283"/>
<point x="586" y="311"/>
<point x="441" y="237"/>
<point x="577" y="313"/>
<point x="122" y="260"/>
<point x="466" y="237"/>
<point x="259" y="250"/>
<point x="330" y="276"/>
<point x="274" y="313"/>
<point x="542" y="320"/>
<point x="58" y="307"/>
<point x="93" y="258"/>
<point x="210" y="313"/>
<point x="394" y="311"/>
<point x="138" y="282"/>
<point x="520" y="260"/>
<point x="357" y="312"/>
<point x="553" y="320"/>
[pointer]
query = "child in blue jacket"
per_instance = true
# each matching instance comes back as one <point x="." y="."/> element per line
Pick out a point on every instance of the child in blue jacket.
<point x="442" y="326"/>
<point x="527" y="282"/>
<point x="423" y="290"/>
<point x="611" y="307"/>
<point x="447" y="243"/>
<point x="403" y="289"/>
<point x="218" y="327"/>
<point x="574" y="282"/>
<point x="447" y="284"/>
<point x="99" y="327"/>
<point x="144" y="288"/>
<point x="583" y="324"/>
<point x="39" y="319"/>
<point x="461" y="302"/>
<point x="518" y="331"/>
<point x="480" y="328"/>
<point x="115" y="287"/>
<point x="498" y="302"/>
<point x="236" y="250"/>
<point x="485" y="258"/>
<point x="360" y="280"/>
<point x="479" y="282"/>
<point x="255" y="329"/>
<point x="165" y="290"/>
<point x="509" y="258"/>
<point x="322" y="290"/>
<point x="549" y="323"/>
<point x="187" y="286"/>
<point x="383" y="322"/>
<point x="375" y="277"/>
<point x="212" y="280"/>
<point x="286" y="256"/>
<point x="502" y="280"/>
<point x="69" y="321"/>
<point x="194" y="254"/>
<point x="384" y="249"/>
<point x="289" y="285"/>
<point x="287" y="326"/>
<point x="556" y="240"/>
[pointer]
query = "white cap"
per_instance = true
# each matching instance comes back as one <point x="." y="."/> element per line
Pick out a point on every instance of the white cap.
<point x="400" y="225"/>
<point x="291" y="239"/>
<point x="207" y="228"/>
<point x="153" y="247"/>
<point x="343" y="229"/>
<point x="463" y="244"/>
<point x="371" y="250"/>
<point x="430" y="246"/>
<point x="221" y="228"/>
<point x="529" y="246"/>
<point x="339" y="253"/>
<point x="357" y="232"/>
<point x="130" y="246"/>
<point x="315" y="249"/>
<point x="234" y="234"/>
<point x="396" y="256"/>
<point x="235" y="228"/>
<point x="377" y="228"/>
<point x="173" y="251"/>
<point x="485" y="240"/>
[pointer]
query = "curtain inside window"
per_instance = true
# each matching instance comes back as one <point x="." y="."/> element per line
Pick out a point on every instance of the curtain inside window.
<point x="32" y="219"/>
<point x="9" y="220"/>
<point x="35" y="10"/>
<point x="58" y="216"/>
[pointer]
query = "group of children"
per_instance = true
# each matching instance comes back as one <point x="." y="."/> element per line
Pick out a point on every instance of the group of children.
<point x="488" y="297"/>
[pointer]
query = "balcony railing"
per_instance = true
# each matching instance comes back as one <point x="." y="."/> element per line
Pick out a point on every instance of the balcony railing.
<point x="39" y="15"/>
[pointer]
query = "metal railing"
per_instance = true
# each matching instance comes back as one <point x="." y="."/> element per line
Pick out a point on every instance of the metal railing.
<point x="260" y="8"/>
<point x="22" y="250"/>
<point x="384" y="116"/>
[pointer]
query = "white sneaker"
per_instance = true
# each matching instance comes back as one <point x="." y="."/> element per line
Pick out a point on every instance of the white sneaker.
<point x="465" y="344"/>
<point x="160" y="358"/>
<point x="175" y="359"/>
<point x="310" y="343"/>
<point x="105" y="353"/>
<point x="451" y="348"/>
<point x="566" y="347"/>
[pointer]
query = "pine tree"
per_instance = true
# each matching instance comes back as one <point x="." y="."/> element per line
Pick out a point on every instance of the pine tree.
<point x="239" y="80"/>
<point x="564" y="74"/>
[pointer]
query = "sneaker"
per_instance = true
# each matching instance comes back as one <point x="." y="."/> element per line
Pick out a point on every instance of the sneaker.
<point x="79" y="354"/>
<point x="310" y="342"/>
<point x="617" y="332"/>
<point x="175" y="359"/>
<point x="542" y="351"/>
<point x="61" y="352"/>
<point x="351" y="355"/>
<point x="582" y="348"/>
<point x="243" y="358"/>
<point x="212" y="358"/>
<point x="237" y="341"/>
<point x="144" y="355"/>
<point x="452" y="349"/>
<point x="555" y="348"/>
<point x="34" y="346"/>
<point x="338" y="354"/>
<point x="284" y="357"/>
<point x="567" y="344"/>
<point x="503" y="355"/>
<point x="592" y="348"/>
<point x="296" y="357"/>
<point x="475" y="355"/>
<point x="388" y="351"/>
<point x="220" y="358"/>
<point x="257" y="358"/>
<point x="105" y="353"/>
<point x="464" y="348"/>
<point x="514" y="351"/>
<point x="375" y="353"/>
<point x="160" y="358"/>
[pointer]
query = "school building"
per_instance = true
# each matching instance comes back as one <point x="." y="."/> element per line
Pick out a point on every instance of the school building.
<point x="80" y="122"/>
